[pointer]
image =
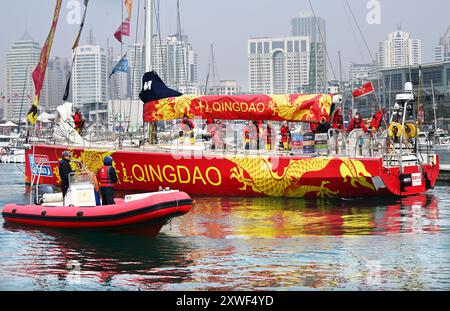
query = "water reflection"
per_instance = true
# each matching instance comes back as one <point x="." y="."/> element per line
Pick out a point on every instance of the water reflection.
<point x="63" y="259"/>
<point x="219" y="218"/>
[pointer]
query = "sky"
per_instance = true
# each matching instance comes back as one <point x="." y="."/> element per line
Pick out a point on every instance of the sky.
<point x="229" y="24"/>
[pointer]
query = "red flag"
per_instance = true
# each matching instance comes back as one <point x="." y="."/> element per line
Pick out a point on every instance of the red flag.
<point x="364" y="90"/>
<point x="124" y="30"/>
<point x="39" y="72"/>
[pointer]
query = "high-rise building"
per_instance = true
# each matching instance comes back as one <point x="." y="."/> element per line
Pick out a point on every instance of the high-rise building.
<point x="55" y="82"/>
<point x="175" y="61"/>
<point x="308" y="25"/>
<point x="89" y="83"/>
<point x="362" y="72"/>
<point x="21" y="60"/>
<point x="136" y="69"/>
<point x="279" y="65"/>
<point x="225" y="87"/>
<point x="399" y="50"/>
<point x="442" y="51"/>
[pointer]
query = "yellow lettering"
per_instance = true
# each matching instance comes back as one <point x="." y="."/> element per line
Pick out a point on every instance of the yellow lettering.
<point x="261" y="107"/>
<point x="216" y="107"/>
<point x="172" y="175"/>
<point x="236" y="107"/>
<point x="180" y="178"/>
<point x="244" y="107"/>
<point x="219" y="176"/>
<point x="140" y="178"/>
<point x="154" y="173"/>
<point x="198" y="175"/>
<point x="228" y="107"/>
<point x="252" y="107"/>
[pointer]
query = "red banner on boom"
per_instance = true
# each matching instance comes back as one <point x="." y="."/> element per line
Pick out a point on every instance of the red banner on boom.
<point x="292" y="107"/>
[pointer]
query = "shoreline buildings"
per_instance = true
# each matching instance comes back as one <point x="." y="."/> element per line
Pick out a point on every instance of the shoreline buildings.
<point x="399" y="50"/>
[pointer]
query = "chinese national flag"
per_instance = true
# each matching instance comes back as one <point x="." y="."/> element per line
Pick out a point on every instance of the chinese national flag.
<point x="364" y="90"/>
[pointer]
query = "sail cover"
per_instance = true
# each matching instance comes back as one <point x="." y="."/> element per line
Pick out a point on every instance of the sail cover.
<point x="288" y="107"/>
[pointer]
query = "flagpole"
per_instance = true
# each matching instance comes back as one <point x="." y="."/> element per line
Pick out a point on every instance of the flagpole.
<point x="148" y="49"/>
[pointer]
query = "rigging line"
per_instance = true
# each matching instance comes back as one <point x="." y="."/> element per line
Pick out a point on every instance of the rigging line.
<point x="354" y="34"/>
<point x="133" y="69"/>
<point x="378" y="99"/>
<point x="360" y="31"/>
<point x="322" y="39"/>
<point x="183" y="47"/>
<point x="23" y="97"/>
<point x="158" y="27"/>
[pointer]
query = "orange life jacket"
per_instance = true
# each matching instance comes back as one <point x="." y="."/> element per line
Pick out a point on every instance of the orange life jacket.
<point x="105" y="179"/>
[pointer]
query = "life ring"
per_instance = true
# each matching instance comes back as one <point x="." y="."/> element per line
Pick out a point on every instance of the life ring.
<point x="392" y="127"/>
<point x="410" y="131"/>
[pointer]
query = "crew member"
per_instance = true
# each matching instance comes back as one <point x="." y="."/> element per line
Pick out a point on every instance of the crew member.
<point x="323" y="127"/>
<point x="285" y="135"/>
<point x="247" y="129"/>
<point x="375" y="124"/>
<point x="64" y="171"/>
<point x="268" y="136"/>
<point x="107" y="178"/>
<point x="187" y="127"/>
<point x="338" y="121"/>
<point x="357" y="123"/>
<point x="259" y="130"/>
<point x="79" y="122"/>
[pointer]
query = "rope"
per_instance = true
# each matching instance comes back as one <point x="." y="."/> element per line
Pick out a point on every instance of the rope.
<point x="323" y="41"/>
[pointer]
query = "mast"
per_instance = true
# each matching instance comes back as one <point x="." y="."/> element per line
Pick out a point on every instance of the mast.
<point x="434" y="108"/>
<point x="148" y="35"/>
<point x="148" y="57"/>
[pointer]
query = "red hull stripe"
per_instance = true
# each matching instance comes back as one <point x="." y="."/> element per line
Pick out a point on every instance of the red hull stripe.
<point x="80" y="219"/>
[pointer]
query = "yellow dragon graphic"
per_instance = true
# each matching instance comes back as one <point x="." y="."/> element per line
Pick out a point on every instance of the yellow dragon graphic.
<point x="262" y="178"/>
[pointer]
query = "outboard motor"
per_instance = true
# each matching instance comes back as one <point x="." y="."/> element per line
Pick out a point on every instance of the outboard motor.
<point x="42" y="189"/>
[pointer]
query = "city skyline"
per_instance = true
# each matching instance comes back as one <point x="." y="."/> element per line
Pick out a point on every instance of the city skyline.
<point x="273" y="21"/>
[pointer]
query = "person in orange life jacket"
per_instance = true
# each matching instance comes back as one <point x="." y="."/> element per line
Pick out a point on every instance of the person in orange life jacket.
<point x="357" y="123"/>
<point x="107" y="178"/>
<point x="64" y="171"/>
<point x="338" y="121"/>
<point x="285" y="135"/>
<point x="375" y="124"/>
<point x="187" y="127"/>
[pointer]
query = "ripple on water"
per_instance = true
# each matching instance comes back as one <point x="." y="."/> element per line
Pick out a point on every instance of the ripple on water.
<point x="243" y="244"/>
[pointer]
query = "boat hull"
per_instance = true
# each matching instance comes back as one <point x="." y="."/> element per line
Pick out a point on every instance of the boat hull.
<point x="152" y="212"/>
<point x="246" y="175"/>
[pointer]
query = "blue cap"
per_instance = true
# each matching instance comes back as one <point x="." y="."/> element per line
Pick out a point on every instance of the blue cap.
<point x="108" y="161"/>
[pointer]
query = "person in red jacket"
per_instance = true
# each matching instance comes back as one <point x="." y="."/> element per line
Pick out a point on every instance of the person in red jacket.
<point x="246" y="130"/>
<point x="375" y="124"/>
<point x="78" y="120"/>
<point x="357" y="123"/>
<point x="338" y="121"/>
<point x="285" y="135"/>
